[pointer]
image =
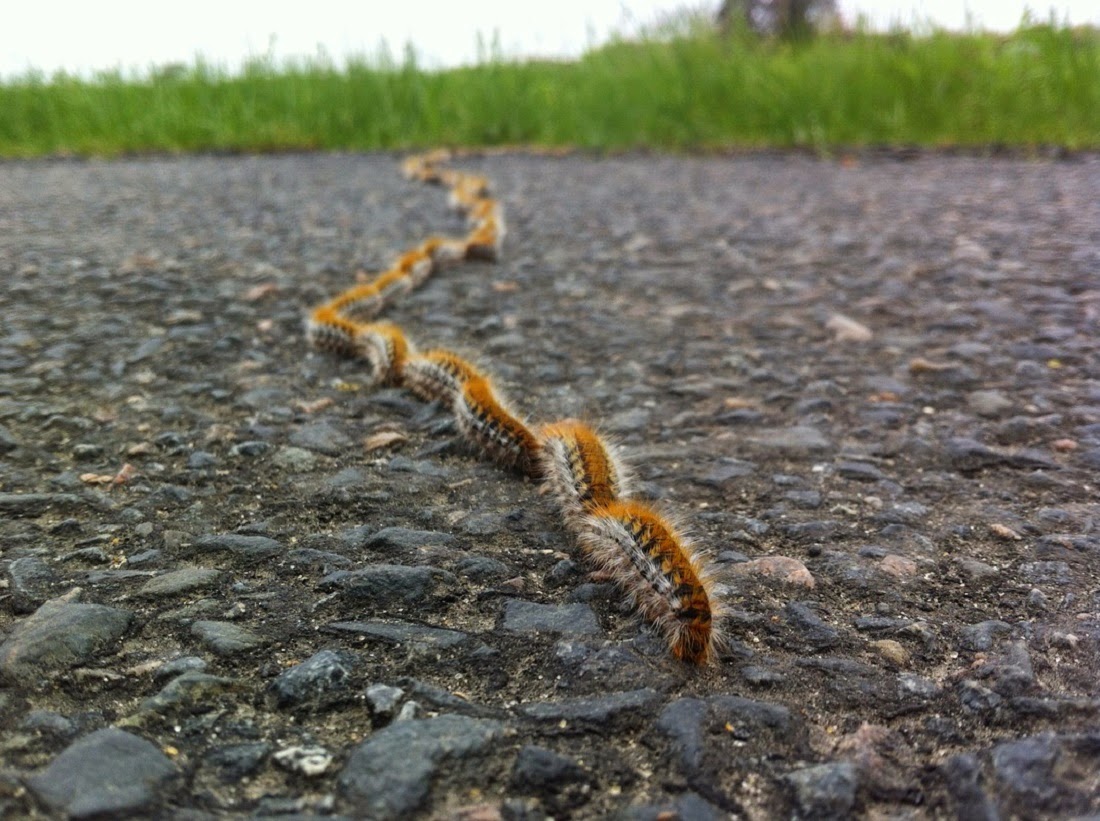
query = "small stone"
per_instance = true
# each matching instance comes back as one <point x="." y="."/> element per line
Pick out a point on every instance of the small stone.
<point x="183" y="664"/>
<point x="483" y="569"/>
<point x="35" y="504"/>
<point x="898" y="566"/>
<point x="762" y="676"/>
<point x="808" y="626"/>
<point x="59" y="635"/>
<point x="226" y="638"/>
<point x="322" y="438"/>
<point x="383" y="699"/>
<point x="233" y="762"/>
<point x="294" y="460"/>
<point x="825" y="791"/>
<point x="316" y="677"/>
<point x="388" y="586"/>
<point x="397" y="632"/>
<point x="538" y="769"/>
<point x="397" y="540"/>
<point x="910" y="684"/>
<point x="108" y="773"/>
<point x="859" y="472"/>
<point x="726" y="471"/>
<point x="176" y="582"/>
<point x="239" y="544"/>
<point x="800" y="440"/>
<point x="1026" y="767"/>
<point x="372" y="783"/>
<point x="989" y="403"/>
<point x="963" y="774"/>
<point x="976" y="570"/>
<point x="892" y="651"/>
<point x="1052" y="572"/>
<point x="783" y="568"/>
<point x="966" y="454"/>
<point x="309" y="761"/>
<point x="846" y="329"/>
<point x="30" y="583"/>
<point x="521" y="616"/>
<point x="979" y="637"/>
<point x="597" y="712"/>
<point x="191" y="690"/>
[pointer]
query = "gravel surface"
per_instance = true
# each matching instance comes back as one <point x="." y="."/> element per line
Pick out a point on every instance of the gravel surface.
<point x="237" y="582"/>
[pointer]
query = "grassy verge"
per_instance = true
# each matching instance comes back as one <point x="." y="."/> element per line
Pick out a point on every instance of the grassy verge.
<point x="1039" y="86"/>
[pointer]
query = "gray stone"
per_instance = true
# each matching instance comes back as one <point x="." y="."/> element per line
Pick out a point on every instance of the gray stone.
<point x="965" y="454"/>
<point x="403" y="540"/>
<point x="233" y="762"/>
<point x="295" y="460"/>
<point x="226" y="638"/>
<point x="375" y="785"/>
<point x="586" y="713"/>
<point x="538" y="769"/>
<point x="859" y="471"/>
<point x="59" y="635"/>
<point x="799" y="440"/>
<point x="989" y="403"/>
<point x="398" y="632"/>
<point x="725" y="472"/>
<point x="387" y="586"/>
<point x="109" y="773"/>
<point x="825" y="791"/>
<point x="483" y="569"/>
<point x="809" y="628"/>
<point x="963" y="774"/>
<point x="1047" y="572"/>
<point x="316" y="677"/>
<point x="35" y="504"/>
<point x="383" y="699"/>
<point x="521" y="616"/>
<point x="690" y="723"/>
<point x="323" y="438"/>
<point x="980" y="637"/>
<point x="180" y="581"/>
<point x="1026" y="767"/>
<point x="192" y="690"/>
<point x="239" y="544"/>
<point x="30" y="583"/>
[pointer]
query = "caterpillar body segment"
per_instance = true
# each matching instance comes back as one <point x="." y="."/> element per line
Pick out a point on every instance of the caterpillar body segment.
<point x="581" y="469"/>
<point x="383" y="346"/>
<point x="484" y="241"/>
<point x="327" y="330"/>
<point x="661" y="572"/>
<point x="438" y="376"/>
<point x="361" y="301"/>
<point x="487" y="423"/>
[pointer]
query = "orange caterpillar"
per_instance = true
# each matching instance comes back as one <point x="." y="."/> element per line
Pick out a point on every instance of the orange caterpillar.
<point x="665" y="577"/>
<point x="581" y="469"/>
<point x="488" y="423"/>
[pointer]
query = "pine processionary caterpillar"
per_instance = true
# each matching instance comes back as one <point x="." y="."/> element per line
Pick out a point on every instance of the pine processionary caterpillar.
<point x="582" y="470"/>
<point x="664" y="576"/>
<point x="438" y="376"/>
<point x="486" y="422"/>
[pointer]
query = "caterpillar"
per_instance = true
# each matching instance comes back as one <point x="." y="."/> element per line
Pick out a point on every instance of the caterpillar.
<point x="667" y="579"/>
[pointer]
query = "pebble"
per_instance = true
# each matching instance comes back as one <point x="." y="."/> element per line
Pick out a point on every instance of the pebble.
<point x="980" y="637"/>
<point x="322" y="438"/>
<point x="184" y="580"/>
<point x="60" y="634"/>
<point x="483" y="569"/>
<point x="583" y="714"/>
<point x="521" y="616"/>
<point x="892" y="651"/>
<point x="1026" y="768"/>
<point x="108" y="773"/>
<point x="825" y="791"/>
<point x="899" y="567"/>
<point x="233" y="762"/>
<point x="401" y="540"/>
<point x="783" y="568"/>
<point x="294" y="459"/>
<point x="693" y="725"/>
<point x="809" y="628"/>
<point x="990" y="404"/>
<point x="239" y="544"/>
<point x="396" y="632"/>
<point x="225" y="638"/>
<point x="963" y="774"/>
<point x="35" y="504"/>
<point x="389" y="586"/>
<point x="310" y="761"/>
<point x="30" y="583"/>
<point x="189" y="691"/>
<point x="373" y="784"/>
<point x="383" y="699"/>
<point x="319" y="676"/>
<point x="725" y="472"/>
<point x="800" y="440"/>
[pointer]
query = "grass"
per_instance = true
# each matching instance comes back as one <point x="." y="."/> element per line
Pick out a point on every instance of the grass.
<point x="687" y="90"/>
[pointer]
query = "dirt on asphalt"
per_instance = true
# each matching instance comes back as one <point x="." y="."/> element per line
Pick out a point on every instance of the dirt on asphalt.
<point x="869" y="385"/>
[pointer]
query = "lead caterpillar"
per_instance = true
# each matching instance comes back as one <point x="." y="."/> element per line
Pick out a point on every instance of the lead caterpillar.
<point x="667" y="579"/>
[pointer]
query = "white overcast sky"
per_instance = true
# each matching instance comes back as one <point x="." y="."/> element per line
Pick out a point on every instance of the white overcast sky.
<point x="87" y="35"/>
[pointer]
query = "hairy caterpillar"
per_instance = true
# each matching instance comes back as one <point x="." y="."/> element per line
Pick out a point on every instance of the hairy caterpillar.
<point x="489" y="424"/>
<point x="582" y="470"/>
<point x="665" y="577"/>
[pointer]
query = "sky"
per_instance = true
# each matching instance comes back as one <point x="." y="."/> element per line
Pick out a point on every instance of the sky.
<point x="81" y="37"/>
